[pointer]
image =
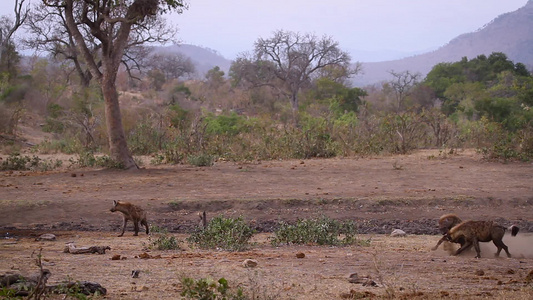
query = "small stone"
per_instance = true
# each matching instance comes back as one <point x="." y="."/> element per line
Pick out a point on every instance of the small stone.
<point x="398" y="233"/>
<point x="370" y="282"/>
<point x="46" y="237"/>
<point x="300" y="255"/>
<point x="249" y="263"/>
<point x="116" y="257"/>
<point x="480" y="272"/>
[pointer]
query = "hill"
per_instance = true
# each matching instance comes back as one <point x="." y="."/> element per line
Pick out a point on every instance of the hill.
<point x="510" y="33"/>
<point x="203" y="58"/>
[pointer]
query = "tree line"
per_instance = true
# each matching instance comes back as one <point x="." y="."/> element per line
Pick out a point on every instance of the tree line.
<point x="102" y="88"/>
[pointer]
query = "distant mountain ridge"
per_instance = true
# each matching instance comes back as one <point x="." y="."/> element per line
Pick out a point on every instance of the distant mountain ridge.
<point x="510" y="33"/>
<point x="203" y="58"/>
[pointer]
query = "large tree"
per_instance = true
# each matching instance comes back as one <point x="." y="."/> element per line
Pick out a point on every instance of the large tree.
<point x="49" y="33"/>
<point x="8" y="27"/>
<point x="401" y="86"/>
<point x="289" y="61"/>
<point x="110" y="23"/>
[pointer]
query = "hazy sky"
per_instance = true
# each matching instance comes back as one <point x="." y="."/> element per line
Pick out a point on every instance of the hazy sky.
<point x="232" y="26"/>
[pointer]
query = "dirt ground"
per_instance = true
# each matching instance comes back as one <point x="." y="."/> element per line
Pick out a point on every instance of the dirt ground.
<point x="380" y="194"/>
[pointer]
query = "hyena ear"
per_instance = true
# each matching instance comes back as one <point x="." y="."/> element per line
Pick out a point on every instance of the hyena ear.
<point x="115" y="202"/>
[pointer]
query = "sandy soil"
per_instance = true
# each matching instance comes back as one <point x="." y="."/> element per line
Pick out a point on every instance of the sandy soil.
<point x="380" y="194"/>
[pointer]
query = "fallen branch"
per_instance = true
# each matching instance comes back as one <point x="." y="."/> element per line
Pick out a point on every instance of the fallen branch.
<point x="72" y="249"/>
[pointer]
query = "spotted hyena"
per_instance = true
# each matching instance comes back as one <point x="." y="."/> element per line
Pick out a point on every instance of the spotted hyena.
<point x="446" y="222"/>
<point x="130" y="212"/>
<point x="474" y="232"/>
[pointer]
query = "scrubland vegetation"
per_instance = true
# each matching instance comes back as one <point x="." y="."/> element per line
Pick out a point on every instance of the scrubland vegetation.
<point x="482" y="103"/>
<point x="290" y="97"/>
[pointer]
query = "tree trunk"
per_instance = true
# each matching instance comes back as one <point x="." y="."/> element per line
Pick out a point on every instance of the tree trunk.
<point x="294" y="106"/>
<point x="118" y="147"/>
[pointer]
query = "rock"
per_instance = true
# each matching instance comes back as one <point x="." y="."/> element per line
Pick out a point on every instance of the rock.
<point x="365" y="280"/>
<point x="354" y="278"/>
<point x="46" y="237"/>
<point x="300" y="255"/>
<point x="398" y="233"/>
<point x="370" y="282"/>
<point x="116" y="257"/>
<point x="480" y="272"/>
<point x="249" y="263"/>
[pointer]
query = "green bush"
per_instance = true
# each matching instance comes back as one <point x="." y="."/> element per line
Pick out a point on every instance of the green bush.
<point x="206" y="289"/>
<point x="88" y="159"/>
<point x="52" y="122"/>
<point x="164" y="242"/>
<point x="7" y="293"/>
<point x="223" y="233"/>
<point x="16" y="162"/>
<point x="201" y="160"/>
<point x="173" y="155"/>
<point x="159" y="239"/>
<point x="320" y="231"/>
<point x="144" y="139"/>
<point x="66" y="145"/>
<point x="53" y="125"/>
<point x="178" y="116"/>
<point x="225" y="125"/>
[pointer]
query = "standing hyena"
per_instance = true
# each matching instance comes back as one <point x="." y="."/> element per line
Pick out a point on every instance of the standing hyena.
<point x="474" y="232"/>
<point x="446" y="222"/>
<point x="130" y="212"/>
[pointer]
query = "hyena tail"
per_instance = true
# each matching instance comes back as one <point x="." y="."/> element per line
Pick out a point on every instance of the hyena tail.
<point x="514" y="230"/>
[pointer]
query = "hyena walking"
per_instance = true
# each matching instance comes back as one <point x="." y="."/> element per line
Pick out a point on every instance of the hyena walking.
<point x="473" y="232"/>
<point x="130" y="212"/>
<point x="446" y="222"/>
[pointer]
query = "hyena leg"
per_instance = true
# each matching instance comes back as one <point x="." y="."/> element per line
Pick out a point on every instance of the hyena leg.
<point x="136" y="227"/>
<point x="500" y="245"/>
<point x="123" y="226"/>
<point x="476" y="246"/>
<point x="466" y="245"/>
<point x="145" y="224"/>
<point x="439" y="242"/>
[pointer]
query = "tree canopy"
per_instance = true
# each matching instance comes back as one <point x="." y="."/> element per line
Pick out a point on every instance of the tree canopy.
<point x="289" y="61"/>
<point x="493" y="87"/>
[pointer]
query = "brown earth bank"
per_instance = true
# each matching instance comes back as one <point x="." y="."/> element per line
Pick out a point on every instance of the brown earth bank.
<point x="379" y="194"/>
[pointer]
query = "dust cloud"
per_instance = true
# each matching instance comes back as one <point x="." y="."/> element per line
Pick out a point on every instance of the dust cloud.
<point x="520" y="246"/>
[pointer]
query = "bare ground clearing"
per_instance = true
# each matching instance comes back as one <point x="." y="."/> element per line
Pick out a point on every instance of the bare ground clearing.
<point x="380" y="194"/>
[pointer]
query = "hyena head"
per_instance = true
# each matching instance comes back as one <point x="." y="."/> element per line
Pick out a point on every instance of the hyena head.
<point x="114" y="208"/>
<point x="446" y="222"/>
